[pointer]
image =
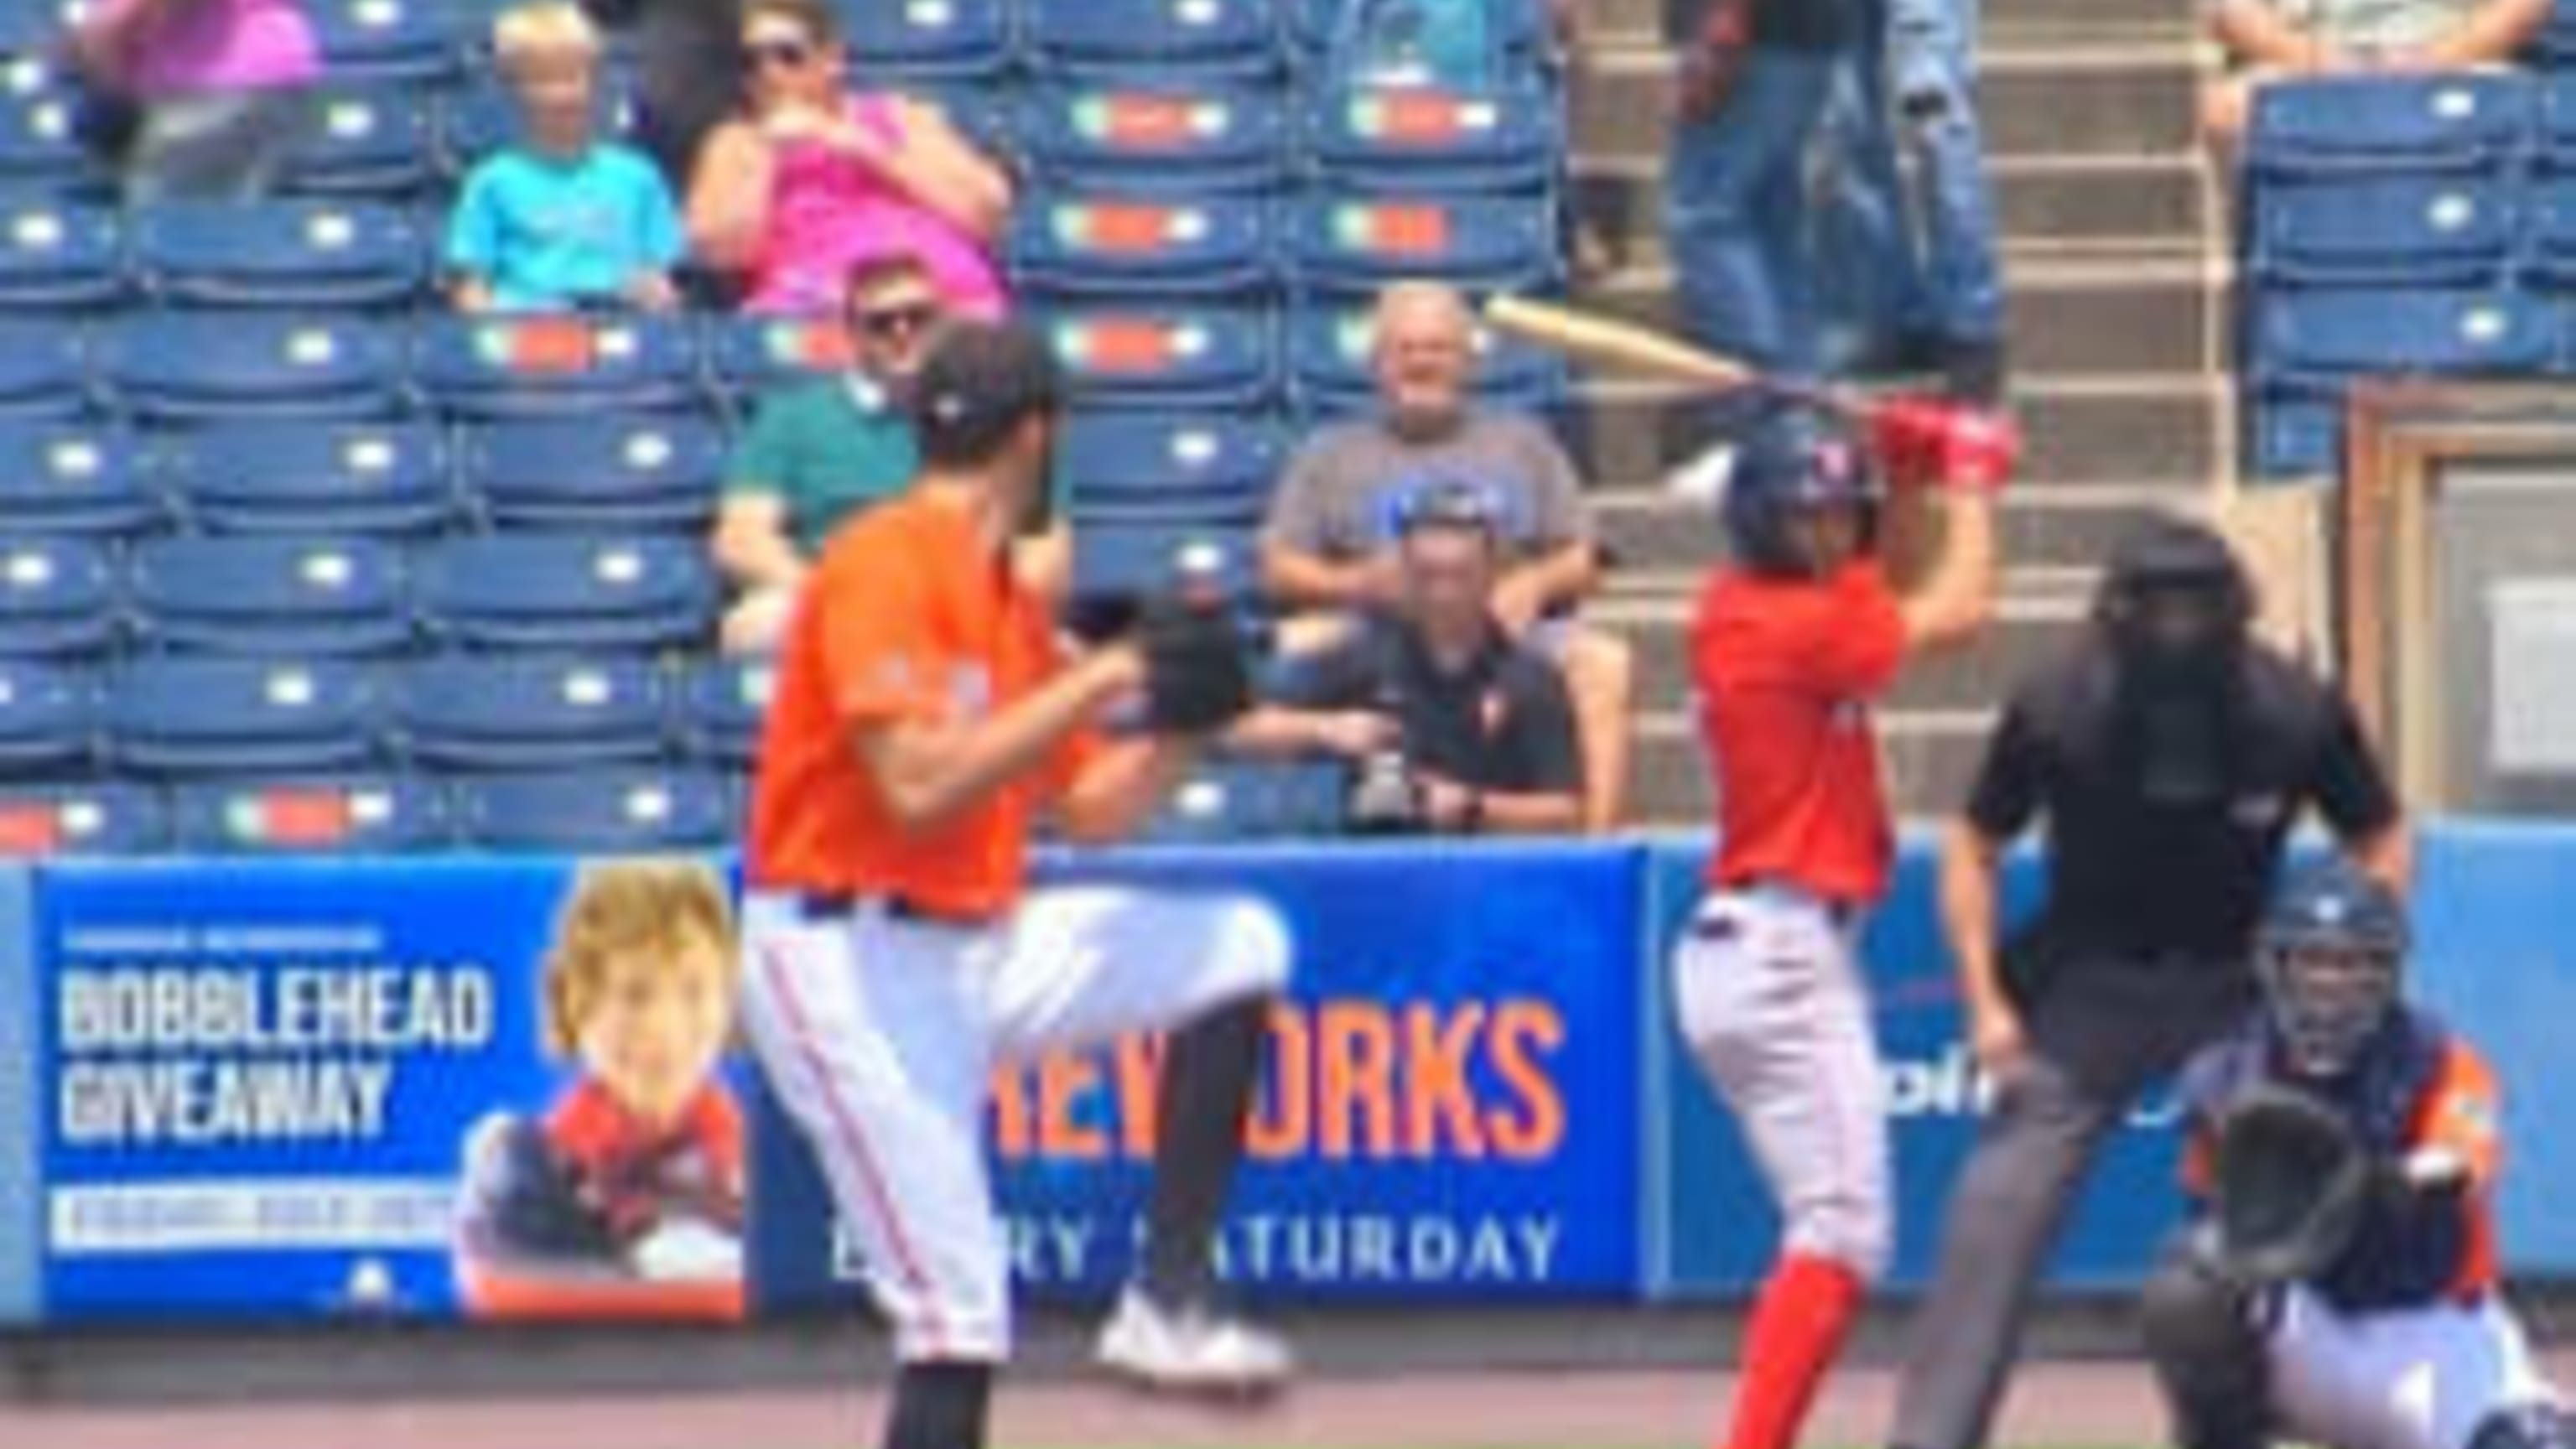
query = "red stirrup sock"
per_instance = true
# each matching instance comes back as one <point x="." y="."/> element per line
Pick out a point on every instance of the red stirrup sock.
<point x="1798" y="1326"/>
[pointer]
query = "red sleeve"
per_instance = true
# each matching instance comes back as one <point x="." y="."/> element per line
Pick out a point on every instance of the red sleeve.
<point x="1860" y="645"/>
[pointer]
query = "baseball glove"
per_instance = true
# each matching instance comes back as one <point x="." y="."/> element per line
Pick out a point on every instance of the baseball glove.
<point x="2292" y="1183"/>
<point x="1198" y="677"/>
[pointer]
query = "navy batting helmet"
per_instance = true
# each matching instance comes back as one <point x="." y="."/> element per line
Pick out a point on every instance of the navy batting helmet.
<point x="1796" y="460"/>
<point x="2332" y="953"/>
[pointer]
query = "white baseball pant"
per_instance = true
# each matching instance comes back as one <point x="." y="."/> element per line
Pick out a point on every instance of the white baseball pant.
<point x="2409" y="1378"/>
<point x="1769" y="994"/>
<point x="879" y="1035"/>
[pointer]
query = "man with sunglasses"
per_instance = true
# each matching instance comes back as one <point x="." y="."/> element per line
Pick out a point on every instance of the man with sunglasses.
<point x="824" y="450"/>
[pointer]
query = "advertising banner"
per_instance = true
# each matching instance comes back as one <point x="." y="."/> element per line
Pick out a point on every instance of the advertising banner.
<point x="1716" y="1232"/>
<point x="1449" y="1113"/>
<point x="386" y="1086"/>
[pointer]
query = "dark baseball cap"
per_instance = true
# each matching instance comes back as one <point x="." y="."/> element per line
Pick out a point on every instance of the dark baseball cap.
<point x="979" y="383"/>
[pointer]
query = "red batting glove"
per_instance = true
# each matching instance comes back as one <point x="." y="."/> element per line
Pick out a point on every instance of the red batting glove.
<point x="1979" y="451"/>
<point x="1905" y="431"/>
<point x="1927" y="441"/>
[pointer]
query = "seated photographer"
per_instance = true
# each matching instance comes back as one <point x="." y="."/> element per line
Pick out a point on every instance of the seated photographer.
<point x="1457" y="728"/>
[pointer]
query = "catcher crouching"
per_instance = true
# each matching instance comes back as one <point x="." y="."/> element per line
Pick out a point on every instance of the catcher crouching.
<point x="2337" y="1283"/>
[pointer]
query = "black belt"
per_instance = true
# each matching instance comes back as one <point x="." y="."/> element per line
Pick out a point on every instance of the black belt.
<point x="1842" y="915"/>
<point x="841" y="905"/>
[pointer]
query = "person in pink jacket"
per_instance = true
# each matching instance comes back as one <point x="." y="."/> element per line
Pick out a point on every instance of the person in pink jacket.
<point x="811" y="177"/>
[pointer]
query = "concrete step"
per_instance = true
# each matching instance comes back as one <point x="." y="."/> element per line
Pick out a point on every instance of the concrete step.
<point x="2064" y="315"/>
<point x="2130" y="99"/>
<point x="1930" y="760"/>
<point x="1662" y="543"/>
<point x="2043" y="202"/>
<point x="2080" y="433"/>
<point x="1624" y="18"/>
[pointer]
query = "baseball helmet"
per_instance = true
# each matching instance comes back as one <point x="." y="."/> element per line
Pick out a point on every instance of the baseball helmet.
<point x="1795" y="460"/>
<point x="2331" y="952"/>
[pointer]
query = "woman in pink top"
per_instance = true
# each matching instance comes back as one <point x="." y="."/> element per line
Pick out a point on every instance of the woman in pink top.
<point x="810" y="178"/>
<point x="223" y="87"/>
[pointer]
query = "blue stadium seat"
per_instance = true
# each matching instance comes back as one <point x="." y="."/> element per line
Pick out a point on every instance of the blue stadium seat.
<point x="387" y="40"/>
<point x="59" y="597"/>
<point x="2418" y="231"/>
<point x="1124" y="560"/>
<point x="2296" y="433"/>
<point x="122" y="818"/>
<point x="1225" y="800"/>
<point x="1431" y="142"/>
<point x="44" y="368"/>
<point x="209" y="366"/>
<point x="612" y="471"/>
<point x="383" y="479"/>
<point x="532" y="711"/>
<point x="567" y="591"/>
<point x="197" y="714"/>
<point x="493" y="367"/>
<point x="1329" y="351"/>
<point x="1175" y="467"/>
<point x="1348" y="244"/>
<point x="1197" y="140"/>
<point x="722" y="705"/>
<point x="56" y="253"/>
<point x="377" y="813"/>
<point x="1094" y="243"/>
<point x="39" y="144"/>
<point x="370" y="139"/>
<point x="2328" y="334"/>
<point x="74" y="477"/>
<point x="48" y="720"/>
<point x="2450" y="121"/>
<point x="321" y="254"/>
<point x="2549" y="231"/>
<point x="1519" y="28"/>
<point x="271" y="594"/>
<point x="946" y="41"/>
<point x="747" y="356"/>
<point x="1141" y="354"/>
<point x="2554" y="48"/>
<point x="1217" y="39"/>
<point x="635" y="808"/>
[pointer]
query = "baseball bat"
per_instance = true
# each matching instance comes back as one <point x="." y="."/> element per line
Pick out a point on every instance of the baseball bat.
<point x="1643" y="349"/>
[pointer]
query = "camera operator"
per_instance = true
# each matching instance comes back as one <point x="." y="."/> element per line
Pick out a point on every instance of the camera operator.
<point x="1455" y="727"/>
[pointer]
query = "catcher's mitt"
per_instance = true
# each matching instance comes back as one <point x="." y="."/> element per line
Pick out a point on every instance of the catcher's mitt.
<point x="1198" y="677"/>
<point x="2292" y="1184"/>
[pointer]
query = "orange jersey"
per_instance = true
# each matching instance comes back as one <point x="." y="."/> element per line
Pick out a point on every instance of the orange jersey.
<point x="908" y="616"/>
<point x="1787" y="671"/>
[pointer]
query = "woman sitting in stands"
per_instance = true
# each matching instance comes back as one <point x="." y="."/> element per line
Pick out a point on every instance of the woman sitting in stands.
<point x="810" y="177"/>
<point x="2268" y="40"/>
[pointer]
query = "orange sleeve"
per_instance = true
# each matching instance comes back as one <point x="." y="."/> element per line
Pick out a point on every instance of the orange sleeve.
<point x="880" y="651"/>
<point x="2460" y="1114"/>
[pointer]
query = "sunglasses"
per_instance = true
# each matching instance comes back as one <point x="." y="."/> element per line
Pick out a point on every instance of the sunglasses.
<point x="890" y="324"/>
<point x="778" y="54"/>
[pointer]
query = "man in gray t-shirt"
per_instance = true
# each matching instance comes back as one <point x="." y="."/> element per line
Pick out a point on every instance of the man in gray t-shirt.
<point x="1327" y="546"/>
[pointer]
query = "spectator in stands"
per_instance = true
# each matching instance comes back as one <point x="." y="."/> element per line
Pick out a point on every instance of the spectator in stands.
<point x="2268" y="40"/>
<point x="688" y="69"/>
<point x="218" y="91"/>
<point x="821" y="451"/>
<point x="810" y="177"/>
<point x="1474" y="730"/>
<point x="1326" y="546"/>
<point x="562" y="219"/>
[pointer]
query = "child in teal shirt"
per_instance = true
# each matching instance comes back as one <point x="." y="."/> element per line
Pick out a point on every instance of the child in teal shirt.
<point x="562" y="219"/>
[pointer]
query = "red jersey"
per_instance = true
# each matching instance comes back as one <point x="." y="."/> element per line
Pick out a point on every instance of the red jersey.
<point x="1787" y="671"/>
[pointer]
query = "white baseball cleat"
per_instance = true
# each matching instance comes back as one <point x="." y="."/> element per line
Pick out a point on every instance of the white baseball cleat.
<point x="1191" y="1350"/>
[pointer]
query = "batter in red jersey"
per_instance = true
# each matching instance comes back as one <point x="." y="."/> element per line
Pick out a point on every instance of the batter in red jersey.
<point x="1795" y="642"/>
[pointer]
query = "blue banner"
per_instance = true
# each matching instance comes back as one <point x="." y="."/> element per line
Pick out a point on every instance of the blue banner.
<point x="2498" y="962"/>
<point x="1449" y="1114"/>
<point x="22" y="1220"/>
<point x="265" y="1083"/>
<point x="1717" y="1229"/>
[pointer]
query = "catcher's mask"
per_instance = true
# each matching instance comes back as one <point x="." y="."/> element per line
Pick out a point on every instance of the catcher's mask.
<point x="1796" y="464"/>
<point x="2332" y="953"/>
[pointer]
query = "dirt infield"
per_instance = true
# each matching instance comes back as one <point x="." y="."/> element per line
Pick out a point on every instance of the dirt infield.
<point x="2057" y="1403"/>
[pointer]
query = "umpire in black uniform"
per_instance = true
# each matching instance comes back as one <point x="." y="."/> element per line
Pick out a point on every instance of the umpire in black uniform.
<point x="2169" y="758"/>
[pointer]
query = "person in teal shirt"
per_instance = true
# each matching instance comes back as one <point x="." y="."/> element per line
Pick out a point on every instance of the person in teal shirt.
<point x="823" y="450"/>
<point x="561" y="220"/>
